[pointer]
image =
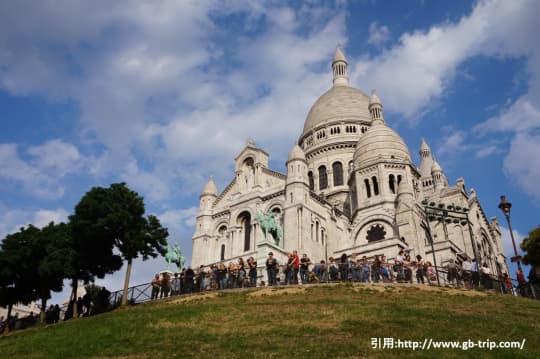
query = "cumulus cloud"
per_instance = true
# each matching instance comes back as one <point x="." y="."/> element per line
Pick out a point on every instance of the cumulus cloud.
<point x="413" y="74"/>
<point x="378" y="35"/>
<point x="522" y="163"/>
<point x="42" y="170"/>
<point x="166" y="83"/>
<point x="508" y="248"/>
<point x="13" y="218"/>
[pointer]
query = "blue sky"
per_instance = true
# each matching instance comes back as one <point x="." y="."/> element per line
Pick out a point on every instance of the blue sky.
<point x="164" y="94"/>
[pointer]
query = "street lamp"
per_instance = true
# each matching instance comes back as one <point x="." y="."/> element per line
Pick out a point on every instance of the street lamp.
<point x="505" y="206"/>
<point x="448" y="214"/>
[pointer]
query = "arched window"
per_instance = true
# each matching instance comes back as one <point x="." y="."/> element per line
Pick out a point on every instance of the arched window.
<point x="323" y="178"/>
<point x="222" y="229"/>
<point x="398" y="179"/>
<point x="391" y="183"/>
<point x="311" y="181"/>
<point x="222" y="255"/>
<point x="245" y="220"/>
<point x="375" y="186"/>
<point x="317" y="231"/>
<point x="337" y="168"/>
<point x="368" y="188"/>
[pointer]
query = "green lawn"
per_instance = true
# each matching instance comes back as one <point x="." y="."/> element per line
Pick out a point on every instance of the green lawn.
<point x="337" y="321"/>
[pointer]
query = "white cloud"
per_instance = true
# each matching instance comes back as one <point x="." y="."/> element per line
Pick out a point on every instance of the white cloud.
<point x="486" y="151"/>
<point x="412" y="75"/>
<point x="378" y="35"/>
<point x="508" y="248"/>
<point x="522" y="163"/>
<point x="13" y="219"/>
<point x="521" y="116"/>
<point x="179" y="218"/>
<point x="41" y="173"/>
<point x="164" y="83"/>
<point x="43" y="217"/>
<point x="56" y="157"/>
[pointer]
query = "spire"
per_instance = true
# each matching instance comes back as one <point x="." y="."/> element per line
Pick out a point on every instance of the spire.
<point x="439" y="179"/>
<point x="210" y="188"/>
<point x="426" y="159"/>
<point x="375" y="109"/>
<point x="296" y="154"/>
<point x="339" y="69"/>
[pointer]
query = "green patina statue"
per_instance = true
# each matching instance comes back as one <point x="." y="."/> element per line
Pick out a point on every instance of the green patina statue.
<point x="267" y="221"/>
<point x="174" y="255"/>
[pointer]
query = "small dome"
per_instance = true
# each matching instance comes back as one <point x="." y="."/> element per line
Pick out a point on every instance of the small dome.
<point x="338" y="103"/>
<point x="380" y="142"/>
<point x="374" y="98"/>
<point x="436" y="167"/>
<point x="296" y="154"/>
<point x="338" y="56"/>
<point x="210" y="188"/>
<point x="424" y="146"/>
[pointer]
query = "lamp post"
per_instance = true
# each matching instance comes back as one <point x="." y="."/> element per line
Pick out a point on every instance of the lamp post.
<point x="505" y="206"/>
<point x="428" y="227"/>
<point x="448" y="214"/>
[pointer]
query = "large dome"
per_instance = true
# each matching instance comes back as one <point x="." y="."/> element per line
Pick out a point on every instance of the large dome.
<point x="380" y="142"/>
<point x="338" y="103"/>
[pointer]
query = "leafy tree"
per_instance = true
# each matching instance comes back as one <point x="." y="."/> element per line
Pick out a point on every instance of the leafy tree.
<point x="17" y="267"/>
<point x="55" y="245"/>
<point x="531" y="245"/>
<point x="33" y="264"/>
<point x="115" y="215"/>
<point x="93" y="254"/>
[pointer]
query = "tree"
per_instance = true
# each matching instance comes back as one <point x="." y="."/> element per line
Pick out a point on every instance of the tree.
<point x="33" y="264"/>
<point x="92" y="246"/>
<point x="115" y="215"/>
<point x="531" y="245"/>
<point x="17" y="267"/>
<point x="55" y="246"/>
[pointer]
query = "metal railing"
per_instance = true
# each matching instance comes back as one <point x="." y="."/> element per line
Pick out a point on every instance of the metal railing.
<point x="143" y="293"/>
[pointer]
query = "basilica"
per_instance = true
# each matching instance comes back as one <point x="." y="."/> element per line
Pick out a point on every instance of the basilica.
<point x="350" y="188"/>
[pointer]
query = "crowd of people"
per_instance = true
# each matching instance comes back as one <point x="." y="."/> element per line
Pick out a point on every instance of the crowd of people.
<point x="300" y="269"/>
<point x="16" y="322"/>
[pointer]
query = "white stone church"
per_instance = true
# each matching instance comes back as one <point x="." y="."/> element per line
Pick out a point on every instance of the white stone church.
<point x="351" y="187"/>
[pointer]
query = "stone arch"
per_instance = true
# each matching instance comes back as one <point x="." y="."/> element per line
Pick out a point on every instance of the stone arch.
<point x="244" y="220"/>
<point x="221" y="228"/>
<point x="360" y="230"/>
<point x="311" y="180"/>
<point x="337" y="169"/>
<point x="323" y="177"/>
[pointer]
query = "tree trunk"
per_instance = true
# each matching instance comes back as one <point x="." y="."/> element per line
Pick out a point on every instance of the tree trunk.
<point x="10" y="307"/>
<point x="43" y="309"/>
<point x="74" y="285"/>
<point x="126" y="282"/>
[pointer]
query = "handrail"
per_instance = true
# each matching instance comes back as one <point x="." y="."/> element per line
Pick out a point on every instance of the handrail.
<point x="143" y="292"/>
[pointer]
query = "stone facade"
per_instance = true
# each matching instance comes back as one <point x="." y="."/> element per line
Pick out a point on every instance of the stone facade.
<point x="350" y="187"/>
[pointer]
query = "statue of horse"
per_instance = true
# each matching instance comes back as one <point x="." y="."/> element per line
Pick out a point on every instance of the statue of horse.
<point x="174" y="255"/>
<point x="267" y="221"/>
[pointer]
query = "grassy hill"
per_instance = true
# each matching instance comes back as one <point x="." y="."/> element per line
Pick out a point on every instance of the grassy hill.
<point x="326" y="321"/>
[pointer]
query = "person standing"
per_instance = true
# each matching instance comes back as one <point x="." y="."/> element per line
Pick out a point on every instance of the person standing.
<point x="156" y="285"/>
<point x="485" y="274"/>
<point x="419" y="269"/>
<point x="252" y="266"/>
<point x="165" y="285"/>
<point x="271" y="266"/>
<point x="295" y="267"/>
<point x="304" y="268"/>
